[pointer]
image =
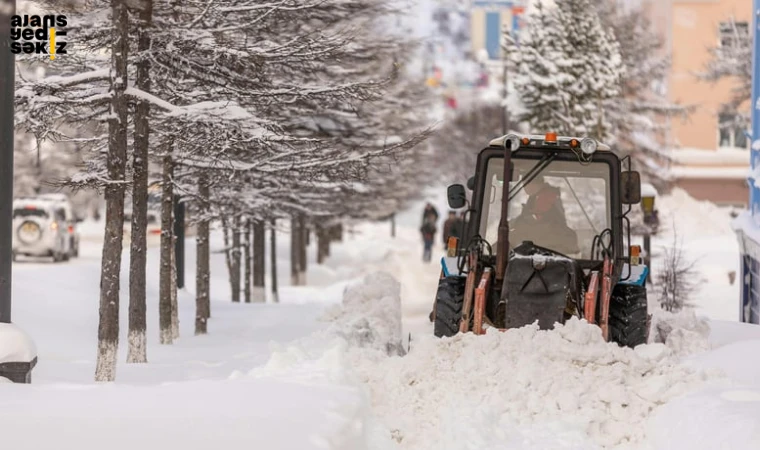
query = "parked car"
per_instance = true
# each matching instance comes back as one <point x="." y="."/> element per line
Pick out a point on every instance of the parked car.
<point x="72" y="220"/>
<point x="39" y="229"/>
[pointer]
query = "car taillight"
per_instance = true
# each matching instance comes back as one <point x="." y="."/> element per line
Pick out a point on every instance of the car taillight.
<point x="71" y="229"/>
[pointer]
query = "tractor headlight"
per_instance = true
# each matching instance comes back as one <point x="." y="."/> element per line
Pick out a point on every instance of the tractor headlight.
<point x="514" y="142"/>
<point x="588" y="146"/>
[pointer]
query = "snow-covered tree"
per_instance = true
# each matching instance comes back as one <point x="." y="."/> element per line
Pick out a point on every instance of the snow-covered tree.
<point x="566" y="67"/>
<point x="456" y="145"/>
<point x="257" y="129"/>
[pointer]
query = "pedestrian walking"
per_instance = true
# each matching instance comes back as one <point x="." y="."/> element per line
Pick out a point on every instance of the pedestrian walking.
<point x="451" y="228"/>
<point x="428" y="230"/>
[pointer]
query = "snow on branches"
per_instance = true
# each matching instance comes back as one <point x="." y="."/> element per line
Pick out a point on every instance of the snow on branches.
<point x="733" y="60"/>
<point x="567" y="67"/>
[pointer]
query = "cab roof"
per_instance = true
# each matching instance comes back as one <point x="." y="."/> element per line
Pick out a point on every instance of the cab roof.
<point x="538" y="140"/>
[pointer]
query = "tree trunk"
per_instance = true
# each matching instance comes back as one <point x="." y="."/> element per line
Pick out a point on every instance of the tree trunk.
<point x="294" y="253"/>
<point x="393" y="225"/>
<point x="227" y="251"/>
<point x="166" y="274"/>
<point x="259" y="261"/>
<point x="203" y="264"/>
<point x="110" y="266"/>
<point x="302" y="256"/>
<point x="137" y="351"/>
<point x="337" y="233"/>
<point x="273" y="257"/>
<point x="322" y="244"/>
<point x="235" y="274"/>
<point x="175" y="306"/>
<point x="247" y="261"/>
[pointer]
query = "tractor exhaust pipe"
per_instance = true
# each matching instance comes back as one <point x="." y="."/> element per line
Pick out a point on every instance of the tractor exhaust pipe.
<point x="502" y="246"/>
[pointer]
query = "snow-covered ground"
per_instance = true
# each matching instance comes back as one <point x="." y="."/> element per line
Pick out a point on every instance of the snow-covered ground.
<point x="322" y="368"/>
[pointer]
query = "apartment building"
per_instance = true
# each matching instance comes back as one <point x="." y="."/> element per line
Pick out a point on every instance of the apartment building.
<point x="710" y="161"/>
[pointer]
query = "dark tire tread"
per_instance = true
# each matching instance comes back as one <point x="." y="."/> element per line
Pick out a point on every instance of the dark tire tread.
<point x="629" y="317"/>
<point x="448" y="306"/>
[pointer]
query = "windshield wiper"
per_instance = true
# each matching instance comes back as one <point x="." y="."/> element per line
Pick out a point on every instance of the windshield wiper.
<point x="572" y="191"/>
<point x="532" y="173"/>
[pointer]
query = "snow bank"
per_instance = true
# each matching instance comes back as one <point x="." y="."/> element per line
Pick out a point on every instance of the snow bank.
<point x="468" y="391"/>
<point x="714" y="418"/>
<point x="525" y="388"/>
<point x="15" y="345"/>
<point x="201" y="415"/>
<point x="370" y="314"/>
<point x="692" y="218"/>
<point x="740" y="361"/>
<point x="683" y="332"/>
<point x="368" y="321"/>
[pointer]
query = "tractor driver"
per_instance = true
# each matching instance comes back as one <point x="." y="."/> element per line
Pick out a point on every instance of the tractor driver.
<point x="542" y="220"/>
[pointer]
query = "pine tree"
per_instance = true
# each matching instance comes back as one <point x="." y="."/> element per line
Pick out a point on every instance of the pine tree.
<point x="536" y="74"/>
<point x="567" y="67"/>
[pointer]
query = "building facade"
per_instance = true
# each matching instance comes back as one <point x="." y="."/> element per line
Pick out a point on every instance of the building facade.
<point x="710" y="153"/>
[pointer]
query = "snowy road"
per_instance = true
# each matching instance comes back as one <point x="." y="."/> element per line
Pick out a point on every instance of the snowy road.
<point x="313" y="371"/>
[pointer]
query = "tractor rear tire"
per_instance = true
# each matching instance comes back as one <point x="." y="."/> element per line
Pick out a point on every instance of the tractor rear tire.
<point x="629" y="318"/>
<point x="448" y="306"/>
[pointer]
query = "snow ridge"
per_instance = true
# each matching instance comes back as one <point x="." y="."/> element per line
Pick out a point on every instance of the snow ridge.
<point x="525" y="387"/>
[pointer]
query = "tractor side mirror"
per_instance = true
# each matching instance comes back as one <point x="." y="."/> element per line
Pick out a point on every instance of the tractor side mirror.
<point x="471" y="184"/>
<point x="457" y="196"/>
<point x="630" y="187"/>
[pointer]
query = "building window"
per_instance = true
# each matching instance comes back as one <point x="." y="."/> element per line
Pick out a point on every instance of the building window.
<point x="732" y="131"/>
<point x="731" y="33"/>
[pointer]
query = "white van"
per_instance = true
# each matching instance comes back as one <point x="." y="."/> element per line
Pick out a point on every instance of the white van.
<point x="39" y="229"/>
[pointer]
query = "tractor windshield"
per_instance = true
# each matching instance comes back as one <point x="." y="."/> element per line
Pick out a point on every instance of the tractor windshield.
<point x="562" y="208"/>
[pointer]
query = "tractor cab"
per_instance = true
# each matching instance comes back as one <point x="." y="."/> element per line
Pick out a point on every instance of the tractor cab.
<point x="547" y="230"/>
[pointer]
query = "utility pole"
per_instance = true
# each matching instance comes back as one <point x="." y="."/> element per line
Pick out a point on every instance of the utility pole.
<point x="504" y="107"/>
<point x="7" y="80"/>
<point x="17" y="371"/>
<point x="179" y="240"/>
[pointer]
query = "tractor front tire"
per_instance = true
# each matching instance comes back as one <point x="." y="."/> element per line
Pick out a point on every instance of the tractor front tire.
<point x="629" y="318"/>
<point x="448" y="306"/>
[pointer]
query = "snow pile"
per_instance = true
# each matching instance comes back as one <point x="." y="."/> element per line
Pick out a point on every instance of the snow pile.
<point x="468" y="391"/>
<point x="525" y="388"/>
<point x="370" y="314"/>
<point x="692" y="217"/>
<point x="367" y="322"/>
<point x="369" y="318"/>
<point x="683" y="332"/>
<point x="15" y="345"/>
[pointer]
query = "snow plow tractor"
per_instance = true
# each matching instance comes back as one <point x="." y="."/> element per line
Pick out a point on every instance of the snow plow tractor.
<point x="547" y="238"/>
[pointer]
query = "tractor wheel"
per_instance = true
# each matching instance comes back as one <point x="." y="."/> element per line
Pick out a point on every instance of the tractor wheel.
<point x="629" y="318"/>
<point x="448" y="306"/>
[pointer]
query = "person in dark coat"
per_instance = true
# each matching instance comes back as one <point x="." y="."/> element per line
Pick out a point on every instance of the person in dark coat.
<point x="452" y="227"/>
<point x="429" y="209"/>
<point x="542" y="220"/>
<point x="428" y="230"/>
